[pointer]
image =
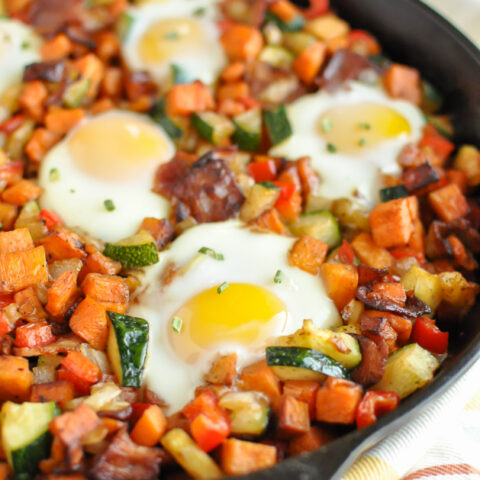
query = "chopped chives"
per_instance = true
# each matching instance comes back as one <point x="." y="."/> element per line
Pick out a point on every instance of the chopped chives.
<point x="331" y="147"/>
<point x="211" y="253"/>
<point x="221" y="288"/>
<point x="109" y="205"/>
<point x="365" y="126"/>
<point x="279" y="277"/>
<point x="177" y="324"/>
<point x="327" y="125"/>
<point x="54" y="175"/>
<point x="362" y="142"/>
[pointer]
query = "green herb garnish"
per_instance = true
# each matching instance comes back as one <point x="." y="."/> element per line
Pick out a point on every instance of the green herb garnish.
<point x="362" y="142"/>
<point x="54" y="175"/>
<point x="279" y="277"/>
<point x="327" y="125"/>
<point x="199" y="12"/>
<point x="109" y="205"/>
<point x="177" y="324"/>
<point x="172" y="36"/>
<point x="365" y="126"/>
<point x="221" y="288"/>
<point x="211" y="253"/>
<point x="331" y="147"/>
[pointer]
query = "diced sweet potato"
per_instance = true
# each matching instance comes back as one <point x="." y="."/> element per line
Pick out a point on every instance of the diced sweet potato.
<point x="17" y="240"/>
<point x="308" y="253"/>
<point x="62" y="244"/>
<point x="315" y="438"/>
<point x="259" y="377"/>
<point x="337" y="401"/>
<point x="62" y="294"/>
<point x="369" y="253"/>
<point x="15" y="378"/>
<point x="403" y="82"/>
<point x="293" y="416"/>
<point x="449" y="203"/>
<point x="59" y="391"/>
<point x="22" y="192"/>
<point x="242" y="42"/>
<point x="29" y="305"/>
<point x="108" y="290"/>
<point x="341" y="282"/>
<point x="89" y="321"/>
<point x="239" y="457"/>
<point x="223" y="370"/>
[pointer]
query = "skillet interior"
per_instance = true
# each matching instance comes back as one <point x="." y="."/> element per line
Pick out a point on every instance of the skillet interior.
<point x="411" y="33"/>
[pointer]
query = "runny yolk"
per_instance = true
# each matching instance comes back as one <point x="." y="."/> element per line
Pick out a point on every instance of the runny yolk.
<point x="167" y="39"/>
<point x="354" y="127"/>
<point x="242" y="314"/>
<point x="116" y="148"/>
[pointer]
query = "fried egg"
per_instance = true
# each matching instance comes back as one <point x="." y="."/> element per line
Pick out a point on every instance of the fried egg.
<point x="19" y="46"/>
<point x="99" y="178"/>
<point x="222" y="305"/>
<point x="172" y="35"/>
<point x="353" y="136"/>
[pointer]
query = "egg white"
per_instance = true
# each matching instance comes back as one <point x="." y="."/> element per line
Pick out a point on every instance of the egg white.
<point x="355" y="174"/>
<point x="249" y="257"/>
<point x="198" y="64"/>
<point x="78" y="196"/>
<point x="19" y="47"/>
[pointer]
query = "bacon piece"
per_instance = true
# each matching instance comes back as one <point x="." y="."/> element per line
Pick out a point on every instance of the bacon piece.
<point x="420" y="177"/>
<point x="125" y="460"/>
<point x="46" y="71"/>
<point x="368" y="275"/>
<point x="207" y="190"/>
<point x="374" y="358"/>
<point x="379" y="330"/>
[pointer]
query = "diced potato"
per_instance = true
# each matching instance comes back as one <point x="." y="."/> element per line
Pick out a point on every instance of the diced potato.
<point x="351" y="315"/>
<point x="327" y="27"/>
<point x="468" y="161"/>
<point x="456" y="290"/>
<point x="426" y="286"/>
<point x="297" y="42"/>
<point x="260" y="198"/>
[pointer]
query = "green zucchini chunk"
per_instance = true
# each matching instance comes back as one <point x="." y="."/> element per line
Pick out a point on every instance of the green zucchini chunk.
<point x="408" y="369"/>
<point x="25" y="436"/>
<point x="158" y="113"/>
<point x="278" y="124"/>
<point x="136" y="251"/>
<point x="248" y="130"/>
<point x="295" y="363"/>
<point x="127" y="348"/>
<point x="321" y="225"/>
<point x="392" y="193"/>
<point x="294" y="25"/>
<point x="212" y="127"/>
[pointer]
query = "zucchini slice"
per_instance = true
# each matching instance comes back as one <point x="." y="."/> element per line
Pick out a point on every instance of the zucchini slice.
<point x="261" y="197"/>
<point x="159" y="115"/>
<point x="138" y="250"/>
<point x="339" y="346"/>
<point x="299" y="363"/>
<point x="25" y="436"/>
<point x="408" y="369"/>
<point x="75" y="93"/>
<point x="212" y="127"/>
<point x="321" y="225"/>
<point x="294" y="25"/>
<point x="248" y="412"/>
<point x="127" y="348"/>
<point x="248" y="130"/>
<point x="392" y="193"/>
<point x="278" y="124"/>
<point x="277" y="56"/>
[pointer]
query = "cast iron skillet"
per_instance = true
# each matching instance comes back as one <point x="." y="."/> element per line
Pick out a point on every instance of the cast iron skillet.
<point x="411" y="33"/>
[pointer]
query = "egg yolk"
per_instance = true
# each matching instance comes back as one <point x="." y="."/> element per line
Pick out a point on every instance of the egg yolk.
<point x="350" y="128"/>
<point x="115" y="148"/>
<point x="241" y="314"/>
<point x="171" y="38"/>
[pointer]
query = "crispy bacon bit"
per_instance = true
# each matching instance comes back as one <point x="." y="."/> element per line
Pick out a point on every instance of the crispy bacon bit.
<point x="206" y="190"/>
<point x="374" y="358"/>
<point x="138" y="84"/>
<point x="46" y="71"/>
<point x="343" y="66"/>
<point x="161" y="230"/>
<point x="378" y="329"/>
<point x="125" y="460"/>
<point x="420" y="177"/>
<point x="368" y="275"/>
<point x="413" y="308"/>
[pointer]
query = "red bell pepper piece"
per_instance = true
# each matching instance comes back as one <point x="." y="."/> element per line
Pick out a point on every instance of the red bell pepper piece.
<point x="209" y="423"/>
<point x="10" y="125"/>
<point x="262" y="171"/>
<point x="429" y="336"/>
<point x="363" y="37"/>
<point x="82" y="367"/>
<point x="81" y="386"/>
<point x="345" y="253"/>
<point x="406" y="252"/>
<point x="286" y="190"/>
<point x="50" y="218"/>
<point x="373" y="405"/>
<point x="34" y="335"/>
<point x="317" y="8"/>
<point x="438" y="143"/>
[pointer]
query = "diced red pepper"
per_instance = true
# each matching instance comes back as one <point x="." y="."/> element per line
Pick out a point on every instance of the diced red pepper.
<point x="286" y="190"/>
<point x="439" y="144"/>
<point x="262" y="171"/>
<point x="137" y="411"/>
<point x="373" y="405"/>
<point x="34" y="335"/>
<point x="5" y="325"/>
<point x="361" y="36"/>
<point x="317" y="8"/>
<point x="82" y="367"/>
<point x="11" y="124"/>
<point x="81" y="386"/>
<point x="406" y="252"/>
<point x="209" y="423"/>
<point x="345" y="253"/>
<point x="50" y="218"/>
<point x="429" y="336"/>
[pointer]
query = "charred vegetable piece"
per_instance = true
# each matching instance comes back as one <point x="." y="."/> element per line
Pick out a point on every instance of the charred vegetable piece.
<point x="127" y="348"/>
<point x="248" y="130"/>
<point x="136" y="251"/>
<point x="278" y="124"/>
<point x="25" y="436"/>
<point x="408" y="369"/>
<point x="298" y="363"/>
<point x="392" y="193"/>
<point x="321" y="225"/>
